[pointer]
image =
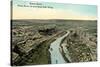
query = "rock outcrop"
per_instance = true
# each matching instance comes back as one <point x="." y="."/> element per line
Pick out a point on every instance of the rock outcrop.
<point x="80" y="46"/>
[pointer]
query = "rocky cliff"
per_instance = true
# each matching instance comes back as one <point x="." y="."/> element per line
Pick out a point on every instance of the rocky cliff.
<point x="80" y="46"/>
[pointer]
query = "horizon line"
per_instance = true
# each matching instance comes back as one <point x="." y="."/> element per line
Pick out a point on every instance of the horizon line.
<point x="58" y="19"/>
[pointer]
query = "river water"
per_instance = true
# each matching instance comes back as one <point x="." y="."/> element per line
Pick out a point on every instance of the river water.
<point x="56" y="56"/>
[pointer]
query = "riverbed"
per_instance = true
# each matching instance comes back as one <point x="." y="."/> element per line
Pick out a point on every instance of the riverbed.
<point x="55" y="54"/>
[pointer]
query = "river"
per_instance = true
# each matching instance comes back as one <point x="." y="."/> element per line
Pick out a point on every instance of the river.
<point x="56" y="56"/>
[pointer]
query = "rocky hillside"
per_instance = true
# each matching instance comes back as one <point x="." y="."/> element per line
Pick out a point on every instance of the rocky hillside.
<point x="80" y="46"/>
<point x="31" y="46"/>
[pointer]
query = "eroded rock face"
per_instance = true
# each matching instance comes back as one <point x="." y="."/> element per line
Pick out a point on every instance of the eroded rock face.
<point x="31" y="46"/>
<point x="80" y="46"/>
<point x="47" y="30"/>
<point x="15" y="57"/>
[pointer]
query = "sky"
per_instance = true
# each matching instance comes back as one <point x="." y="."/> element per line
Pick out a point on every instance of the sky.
<point x="59" y="11"/>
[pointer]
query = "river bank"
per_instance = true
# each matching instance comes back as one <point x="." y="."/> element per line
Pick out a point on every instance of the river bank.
<point x="78" y="46"/>
<point x="56" y="55"/>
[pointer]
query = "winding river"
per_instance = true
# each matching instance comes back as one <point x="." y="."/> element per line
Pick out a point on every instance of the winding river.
<point x="56" y="56"/>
